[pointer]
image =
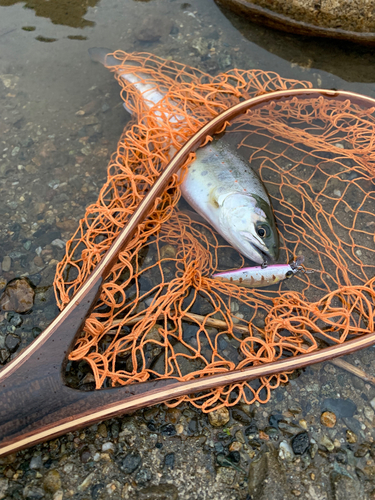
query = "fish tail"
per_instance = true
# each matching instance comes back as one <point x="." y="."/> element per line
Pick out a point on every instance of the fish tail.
<point x="100" y="54"/>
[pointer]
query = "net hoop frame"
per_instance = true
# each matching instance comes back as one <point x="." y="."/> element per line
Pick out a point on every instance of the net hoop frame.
<point x="26" y="382"/>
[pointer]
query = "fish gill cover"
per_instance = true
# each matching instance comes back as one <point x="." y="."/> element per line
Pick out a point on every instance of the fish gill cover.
<point x="160" y="314"/>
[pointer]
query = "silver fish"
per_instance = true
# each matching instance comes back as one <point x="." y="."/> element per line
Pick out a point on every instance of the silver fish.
<point x="220" y="185"/>
<point x="258" y="277"/>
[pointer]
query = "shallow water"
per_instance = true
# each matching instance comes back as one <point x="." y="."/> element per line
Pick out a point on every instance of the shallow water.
<point x="53" y="158"/>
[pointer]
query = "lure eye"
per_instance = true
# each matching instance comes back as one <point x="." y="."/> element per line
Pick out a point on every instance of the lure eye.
<point x="289" y="274"/>
<point x="263" y="232"/>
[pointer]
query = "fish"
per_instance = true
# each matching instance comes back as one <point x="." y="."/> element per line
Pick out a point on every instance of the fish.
<point x="219" y="184"/>
<point x="259" y="277"/>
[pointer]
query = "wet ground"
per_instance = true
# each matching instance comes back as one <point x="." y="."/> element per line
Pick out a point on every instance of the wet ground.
<point x="61" y="117"/>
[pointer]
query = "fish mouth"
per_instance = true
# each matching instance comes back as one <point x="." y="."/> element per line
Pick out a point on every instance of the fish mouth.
<point x="266" y="258"/>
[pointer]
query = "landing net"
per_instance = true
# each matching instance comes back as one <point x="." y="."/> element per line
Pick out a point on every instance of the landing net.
<point x="160" y="314"/>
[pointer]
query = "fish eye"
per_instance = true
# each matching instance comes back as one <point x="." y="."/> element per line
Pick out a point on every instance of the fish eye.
<point x="263" y="232"/>
<point x="289" y="274"/>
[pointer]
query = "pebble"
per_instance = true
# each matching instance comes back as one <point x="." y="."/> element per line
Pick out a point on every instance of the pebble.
<point x="85" y="455"/>
<point x="172" y="415"/>
<point x="52" y="481"/>
<point x="220" y="417"/>
<point x="131" y="462"/>
<point x="235" y="446"/>
<point x="241" y="416"/>
<point x="12" y="341"/>
<point x="368" y="413"/>
<point x="351" y="437"/>
<point x="86" y="482"/>
<point x="108" y="447"/>
<point x="58" y="495"/>
<point x="289" y="429"/>
<point x="168" y="430"/>
<point x="36" y="462"/>
<point x="328" y="419"/>
<point x="285" y="451"/>
<point x="18" y="296"/>
<point x="32" y="493"/>
<point x="169" y="460"/>
<point x="168" y="252"/>
<point x="6" y="264"/>
<point x="300" y="443"/>
<point x="362" y="450"/>
<point x="327" y="443"/>
<point x="372" y="403"/>
<point x="102" y="429"/>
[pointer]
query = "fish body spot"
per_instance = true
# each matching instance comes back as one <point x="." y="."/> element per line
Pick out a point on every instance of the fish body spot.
<point x="205" y="172"/>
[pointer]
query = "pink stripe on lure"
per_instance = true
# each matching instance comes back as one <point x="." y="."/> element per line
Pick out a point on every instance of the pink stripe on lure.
<point x="256" y="277"/>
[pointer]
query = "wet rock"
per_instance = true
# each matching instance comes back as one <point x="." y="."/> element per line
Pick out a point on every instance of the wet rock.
<point x="86" y="482"/>
<point x="169" y="460"/>
<point x="3" y="487"/>
<point x="363" y="449"/>
<point x="18" y="296"/>
<point x="85" y="455"/>
<point x="341" y="407"/>
<point x="345" y="487"/>
<point x="168" y="430"/>
<point x="36" y="462"/>
<point x="275" y="419"/>
<point x="4" y="355"/>
<point x="327" y="443"/>
<point x="52" y="481"/>
<point x="6" y="264"/>
<point x="264" y="473"/>
<point x="12" y="341"/>
<point x="289" y="429"/>
<point x="14" y="319"/>
<point x="102" y="429"/>
<point x="131" y="462"/>
<point x="158" y="492"/>
<point x="351" y="437"/>
<point x="32" y="493"/>
<point x="285" y="451"/>
<point x="152" y="28"/>
<point x="300" y="443"/>
<point x="172" y="415"/>
<point x="328" y="419"/>
<point x="241" y="416"/>
<point x="218" y="418"/>
<point x="235" y="446"/>
<point x="168" y="252"/>
<point x="251" y="430"/>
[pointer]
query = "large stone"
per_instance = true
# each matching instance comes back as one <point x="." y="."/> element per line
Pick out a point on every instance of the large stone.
<point x="18" y="296"/>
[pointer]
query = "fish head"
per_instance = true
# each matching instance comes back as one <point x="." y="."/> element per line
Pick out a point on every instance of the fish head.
<point x="251" y="227"/>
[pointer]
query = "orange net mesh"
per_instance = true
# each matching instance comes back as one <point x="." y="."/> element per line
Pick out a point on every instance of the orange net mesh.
<point x="160" y="314"/>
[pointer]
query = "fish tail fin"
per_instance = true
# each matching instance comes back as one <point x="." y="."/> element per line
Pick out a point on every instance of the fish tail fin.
<point x="100" y="54"/>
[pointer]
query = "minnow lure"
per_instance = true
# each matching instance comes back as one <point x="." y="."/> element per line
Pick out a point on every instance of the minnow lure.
<point x="260" y="276"/>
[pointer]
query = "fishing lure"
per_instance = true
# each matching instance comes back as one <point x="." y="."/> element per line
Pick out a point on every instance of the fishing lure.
<point x="260" y="276"/>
